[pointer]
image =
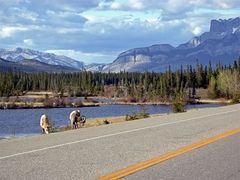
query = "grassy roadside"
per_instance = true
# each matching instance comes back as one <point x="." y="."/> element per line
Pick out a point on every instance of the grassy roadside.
<point x="120" y="119"/>
<point x="95" y="122"/>
<point x="110" y="120"/>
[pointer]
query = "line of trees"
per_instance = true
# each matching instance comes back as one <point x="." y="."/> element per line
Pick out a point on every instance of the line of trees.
<point x="221" y="81"/>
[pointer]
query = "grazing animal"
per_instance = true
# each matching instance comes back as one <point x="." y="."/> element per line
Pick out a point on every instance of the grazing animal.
<point x="45" y="124"/>
<point x="75" y="117"/>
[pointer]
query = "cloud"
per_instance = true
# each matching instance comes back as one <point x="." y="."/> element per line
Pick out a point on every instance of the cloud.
<point x="63" y="19"/>
<point x="197" y="31"/>
<point x="65" y="5"/>
<point x="62" y="5"/>
<point x="8" y="31"/>
<point x="169" y="9"/>
<point x="28" y="42"/>
<point x="130" y="5"/>
<point x="9" y="3"/>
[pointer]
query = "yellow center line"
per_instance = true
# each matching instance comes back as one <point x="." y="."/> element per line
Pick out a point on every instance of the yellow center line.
<point x="145" y="164"/>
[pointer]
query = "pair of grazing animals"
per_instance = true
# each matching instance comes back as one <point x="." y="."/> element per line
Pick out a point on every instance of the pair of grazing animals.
<point x="75" y="118"/>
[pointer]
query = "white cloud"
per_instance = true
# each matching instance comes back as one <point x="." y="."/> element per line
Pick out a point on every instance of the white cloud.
<point x="28" y="42"/>
<point x="136" y="4"/>
<point x="116" y="5"/>
<point x="67" y="5"/>
<point x="8" y="31"/>
<point x="171" y="9"/>
<point x="122" y="5"/>
<point x="197" y="31"/>
<point x="67" y="30"/>
<point x="27" y="14"/>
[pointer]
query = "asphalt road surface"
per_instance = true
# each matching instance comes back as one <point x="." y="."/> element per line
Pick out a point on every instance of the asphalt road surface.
<point x="89" y="153"/>
<point x="219" y="160"/>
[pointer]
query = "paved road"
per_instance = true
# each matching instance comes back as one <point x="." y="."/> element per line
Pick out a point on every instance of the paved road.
<point x="92" y="152"/>
<point x="217" y="161"/>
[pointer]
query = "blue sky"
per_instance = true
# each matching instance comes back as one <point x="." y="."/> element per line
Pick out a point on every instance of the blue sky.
<point x="98" y="30"/>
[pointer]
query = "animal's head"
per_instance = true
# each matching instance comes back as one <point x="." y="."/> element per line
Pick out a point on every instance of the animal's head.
<point x="78" y="118"/>
<point x="47" y="131"/>
<point x="83" y="119"/>
<point x="78" y="113"/>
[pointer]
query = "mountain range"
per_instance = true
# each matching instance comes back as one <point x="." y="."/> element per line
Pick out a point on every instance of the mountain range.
<point x="19" y="54"/>
<point x="220" y="44"/>
<point x="33" y="66"/>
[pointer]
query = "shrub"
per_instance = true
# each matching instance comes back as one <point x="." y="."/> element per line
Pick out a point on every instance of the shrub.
<point x="235" y="99"/>
<point x="228" y="83"/>
<point x="212" y="88"/>
<point x="143" y="114"/>
<point x="140" y="115"/>
<point x="179" y="103"/>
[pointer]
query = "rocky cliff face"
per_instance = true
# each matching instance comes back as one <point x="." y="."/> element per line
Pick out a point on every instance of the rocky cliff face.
<point x="221" y="43"/>
<point x="224" y="25"/>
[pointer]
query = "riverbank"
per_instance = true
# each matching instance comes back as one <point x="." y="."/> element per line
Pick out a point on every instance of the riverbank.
<point x="94" y="103"/>
<point x="39" y="105"/>
<point x="167" y="103"/>
<point x="45" y="99"/>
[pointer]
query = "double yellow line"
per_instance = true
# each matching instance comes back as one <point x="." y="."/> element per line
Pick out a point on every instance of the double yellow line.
<point x="137" y="167"/>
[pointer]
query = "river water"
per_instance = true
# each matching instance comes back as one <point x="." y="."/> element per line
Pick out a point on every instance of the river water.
<point x="25" y="122"/>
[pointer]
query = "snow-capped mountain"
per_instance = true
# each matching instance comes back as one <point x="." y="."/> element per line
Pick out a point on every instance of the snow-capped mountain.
<point x="19" y="54"/>
<point x="94" y="67"/>
<point x="221" y="43"/>
<point x="33" y="66"/>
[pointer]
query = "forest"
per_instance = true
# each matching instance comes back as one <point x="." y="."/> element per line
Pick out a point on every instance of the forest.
<point x="220" y="81"/>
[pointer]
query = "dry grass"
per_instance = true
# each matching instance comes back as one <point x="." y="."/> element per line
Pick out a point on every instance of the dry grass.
<point x="219" y="100"/>
<point x="94" y="122"/>
<point x="21" y="104"/>
<point x="37" y="94"/>
<point x="102" y="121"/>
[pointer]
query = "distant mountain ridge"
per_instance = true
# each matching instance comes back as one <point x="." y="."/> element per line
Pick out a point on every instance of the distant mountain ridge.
<point x="95" y="67"/>
<point x="221" y="43"/>
<point x="33" y="66"/>
<point x="19" y="54"/>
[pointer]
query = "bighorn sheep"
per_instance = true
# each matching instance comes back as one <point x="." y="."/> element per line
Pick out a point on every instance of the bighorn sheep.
<point x="75" y="117"/>
<point x="45" y="124"/>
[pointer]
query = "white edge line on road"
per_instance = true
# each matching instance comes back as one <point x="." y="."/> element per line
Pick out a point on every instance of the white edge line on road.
<point x="114" y="134"/>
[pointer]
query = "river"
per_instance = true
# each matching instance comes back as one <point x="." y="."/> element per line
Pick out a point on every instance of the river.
<point x="25" y="122"/>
